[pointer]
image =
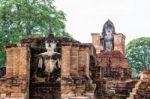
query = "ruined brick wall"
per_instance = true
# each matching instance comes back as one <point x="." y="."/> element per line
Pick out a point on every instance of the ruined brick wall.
<point x="17" y="61"/>
<point x="15" y="84"/>
<point x="143" y="90"/>
<point x="119" y="42"/>
<point x="96" y="41"/>
<point x="114" y="59"/>
<point x="13" y="88"/>
<point x="75" y="63"/>
<point x="65" y="64"/>
<point x="75" y="60"/>
<point x="114" y="63"/>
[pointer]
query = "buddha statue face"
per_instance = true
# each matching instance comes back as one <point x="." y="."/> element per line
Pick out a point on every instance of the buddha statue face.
<point x="109" y="30"/>
<point x="50" y="47"/>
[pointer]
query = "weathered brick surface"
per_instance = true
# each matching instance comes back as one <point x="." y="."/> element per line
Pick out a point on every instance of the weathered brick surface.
<point x="110" y="72"/>
<point x="75" y="65"/>
<point x="14" y="84"/>
<point x="119" y="42"/>
<point x="17" y="61"/>
<point x="113" y="64"/>
<point x="114" y="59"/>
<point x="66" y="61"/>
<point x="96" y="41"/>
<point x="75" y="60"/>
<point x="13" y="87"/>
<point x="141" y="89"/>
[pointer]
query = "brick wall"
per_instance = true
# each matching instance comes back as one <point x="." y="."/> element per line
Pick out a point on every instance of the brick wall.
<point x="17" y="61"/>
<point x="15" y="84"/>
<point x="115" y="61"/>
<point x="75" y="60"/>
<point x="119" y="42"/>
<point x="96" y="41"/>
<point x="75" y="63"/>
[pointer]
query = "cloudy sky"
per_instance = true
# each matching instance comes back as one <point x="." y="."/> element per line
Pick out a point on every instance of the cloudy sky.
<point x="130" y="17"/>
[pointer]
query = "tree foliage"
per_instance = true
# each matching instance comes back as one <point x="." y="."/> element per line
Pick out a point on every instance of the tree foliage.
<point x="138" y="54"/>
<point x="25" y="18"/>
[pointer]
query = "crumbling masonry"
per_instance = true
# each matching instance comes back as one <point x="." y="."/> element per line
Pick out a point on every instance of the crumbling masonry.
<point x="62" y="68"/>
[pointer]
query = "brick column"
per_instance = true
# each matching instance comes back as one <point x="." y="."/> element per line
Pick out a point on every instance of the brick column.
<point x="96" y="41"/>
<point x="66" y="53"/>
<point x="74" y="60"/>
<point x="119" y="42"/>
<point x="9" y="63"/>
<point x="18" y="65"/>
<point x="17" y="61"/>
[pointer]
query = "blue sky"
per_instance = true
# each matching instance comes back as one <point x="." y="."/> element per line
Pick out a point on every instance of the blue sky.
<point x="130" y="17"/>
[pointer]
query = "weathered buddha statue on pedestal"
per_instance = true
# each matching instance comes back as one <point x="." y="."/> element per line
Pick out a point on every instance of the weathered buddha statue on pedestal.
<point x="48" y="63"/>
<point x="108" y="36"/>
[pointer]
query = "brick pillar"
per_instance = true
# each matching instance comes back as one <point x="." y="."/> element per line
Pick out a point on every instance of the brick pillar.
<point x="74" y="60"/>
<point x="96" y="41"/>
<point x="66" y="53"/>
<point x="17" y="61"/>
<point x="75" y="63"/>
<point x="24" y="68"/>
<point x="9" y="63"/>
<point x="119" y="42"/>
<point x="65" y="71"/>
<point x="84" y="61"/>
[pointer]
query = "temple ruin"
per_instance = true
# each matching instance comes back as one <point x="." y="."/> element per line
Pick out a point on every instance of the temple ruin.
<point x="63" y="68"/>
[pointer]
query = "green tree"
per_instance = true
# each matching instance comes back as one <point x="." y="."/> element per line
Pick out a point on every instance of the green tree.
<point x="26" y="18"/>
<point x="138" y="54"/>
